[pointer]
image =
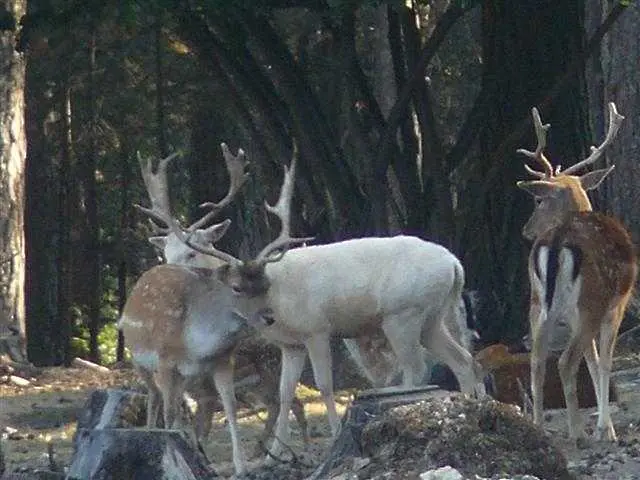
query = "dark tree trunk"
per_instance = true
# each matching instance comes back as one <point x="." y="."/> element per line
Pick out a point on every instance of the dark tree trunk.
<point x="12" y="170"/>
<point x="92" y="233"/>
<point x="124" y="238"/>
<point x="527" y="47"/>
<point x="42" y="229"/>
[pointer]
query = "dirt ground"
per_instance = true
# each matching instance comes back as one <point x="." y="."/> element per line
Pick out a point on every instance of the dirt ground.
<point x="40" y="418"/>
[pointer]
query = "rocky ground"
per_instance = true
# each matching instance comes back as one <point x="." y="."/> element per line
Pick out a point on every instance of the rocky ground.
<point x="481" y="440"/>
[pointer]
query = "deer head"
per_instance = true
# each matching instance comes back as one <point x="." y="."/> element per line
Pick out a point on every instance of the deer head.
<point x="173" y="248"/>
<point x="558" y="192"/>
<point x="246" y="277"/>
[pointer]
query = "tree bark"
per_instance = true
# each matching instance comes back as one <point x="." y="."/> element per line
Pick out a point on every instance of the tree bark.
<point x="619" y="82"/>
<point x="12" y="178"/>
<point x="92" y="233"/>
<point x="526" y="48"/>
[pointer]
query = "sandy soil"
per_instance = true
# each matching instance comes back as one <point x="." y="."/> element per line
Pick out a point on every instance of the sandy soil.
<point x="41" y="416"/>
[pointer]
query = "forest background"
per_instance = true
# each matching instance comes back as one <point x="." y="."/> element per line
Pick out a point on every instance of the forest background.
<point x="407" y="115"/>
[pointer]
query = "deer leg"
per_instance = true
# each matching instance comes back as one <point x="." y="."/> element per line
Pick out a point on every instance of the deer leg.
<point x="207" y="403"/>
<point x="568" y="365"/>
<point x="320" y="355"/>
<point x="441" y="344"/>
<point x="297" y="407"/>
<point x="154" y="397"/>
<point x="293" y="358"/>
<point x="223" y="380"/>
<point x="170" y="383"/>
<point x="608" y="333"/>
<point x="593" y="364"/>
<point x="540" y="336"/>
<point x="404" y="335"/>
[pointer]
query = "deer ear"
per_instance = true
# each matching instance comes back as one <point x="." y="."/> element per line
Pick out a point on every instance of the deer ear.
<point x="159" y="242"/>
<point x="592" y="180"/>
<point x="215" y="232"/>
<point x="538" y="188"/>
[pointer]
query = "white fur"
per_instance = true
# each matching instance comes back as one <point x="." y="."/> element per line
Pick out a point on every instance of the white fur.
<point x="403" y="285"/>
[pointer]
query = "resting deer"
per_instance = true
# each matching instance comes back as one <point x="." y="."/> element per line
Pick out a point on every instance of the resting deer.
<point x="181" y="322"/>
<point x="256" y="362"/>
<point x="582" y="268"/>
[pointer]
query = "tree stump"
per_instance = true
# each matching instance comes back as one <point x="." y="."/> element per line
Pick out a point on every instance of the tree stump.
<point x="108" y="446"/>
<point x="367" y="405"/>
<point x="113" y="408"/>
<point x="136" y="454"/>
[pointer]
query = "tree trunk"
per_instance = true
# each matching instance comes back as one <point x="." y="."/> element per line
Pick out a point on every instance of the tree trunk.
<point x="12" y="171"/>
<point x="617" y="79"/>
<point x="92" y="233"/>
<point x="526" y="48"/>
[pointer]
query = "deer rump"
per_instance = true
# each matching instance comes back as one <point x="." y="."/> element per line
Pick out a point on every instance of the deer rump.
<point x="562" y="254"/>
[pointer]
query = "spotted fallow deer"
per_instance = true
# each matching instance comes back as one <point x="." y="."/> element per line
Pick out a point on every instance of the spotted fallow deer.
<point x="181" y="322"/>
<point x="582" y="269"/>
<point x="256" y="362"/>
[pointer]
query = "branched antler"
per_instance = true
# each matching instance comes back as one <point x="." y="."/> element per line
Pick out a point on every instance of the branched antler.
<point x="615" y="120"/>
<point x="282" y="209"/>
<point x="538" y="154"/>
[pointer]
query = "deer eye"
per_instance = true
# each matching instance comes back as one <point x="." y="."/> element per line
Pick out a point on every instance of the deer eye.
<point x="236" y="289"/>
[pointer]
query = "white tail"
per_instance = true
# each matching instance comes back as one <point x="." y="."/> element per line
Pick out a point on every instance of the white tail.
<point x="182" y="322"/>
<point x="582" y="268"/>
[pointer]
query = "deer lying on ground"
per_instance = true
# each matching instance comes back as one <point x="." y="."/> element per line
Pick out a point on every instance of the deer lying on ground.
<point x="256" y="363"/>
<point x="582" y="269"/>
<point x="181" y="322"/>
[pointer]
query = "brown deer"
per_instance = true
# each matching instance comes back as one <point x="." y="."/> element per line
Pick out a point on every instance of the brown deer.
<point x="257" y="363"/>
<point x="582" y="269"/>
<point x="181" y="322"/>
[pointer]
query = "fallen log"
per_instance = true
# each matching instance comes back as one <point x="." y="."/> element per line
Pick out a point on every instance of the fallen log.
<point x="81" y="363"/>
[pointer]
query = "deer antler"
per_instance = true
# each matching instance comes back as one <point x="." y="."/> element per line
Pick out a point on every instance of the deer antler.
<point x="157" y="188"/>
<point x="161" y="208"/>
<point x="236" y="166"/>
<point x="615" y="120"/>
<point x="282" y="210"/>
<point x="538" y="154"/>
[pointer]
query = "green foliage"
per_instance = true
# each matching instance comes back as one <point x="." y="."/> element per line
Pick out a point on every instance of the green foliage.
<point x="80" y="346"/>
<point x="108" y="343"/>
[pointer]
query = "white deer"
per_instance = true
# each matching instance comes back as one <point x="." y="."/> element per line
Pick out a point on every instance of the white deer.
<point x="181" y="322"/>
<point x="582" y="269"/>
<point x="405" y="286"/>
<point x="255" y="361"/>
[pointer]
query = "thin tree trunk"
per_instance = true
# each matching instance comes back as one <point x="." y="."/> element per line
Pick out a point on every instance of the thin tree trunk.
<point x="91" y="205"/>
<point x="12" y="171"/>
<point x="65" y="197"/>
<point x="123" y="239"/>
